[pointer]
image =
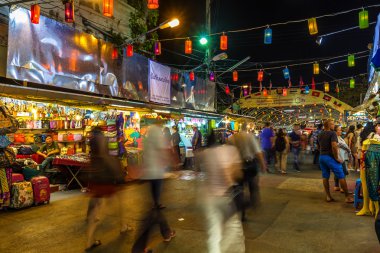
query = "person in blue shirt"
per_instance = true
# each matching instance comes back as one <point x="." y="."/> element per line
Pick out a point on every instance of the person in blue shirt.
<point x="295" y="142"/>
<point x="266" y="137"/>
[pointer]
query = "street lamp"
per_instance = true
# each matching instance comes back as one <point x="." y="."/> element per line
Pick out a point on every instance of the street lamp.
<point x="203" y="41"/>
<point x="171" y="23"/>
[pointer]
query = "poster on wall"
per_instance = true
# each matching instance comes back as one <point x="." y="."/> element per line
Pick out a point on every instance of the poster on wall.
<point x="56" y="54"/>
<point x="159" y="83"/>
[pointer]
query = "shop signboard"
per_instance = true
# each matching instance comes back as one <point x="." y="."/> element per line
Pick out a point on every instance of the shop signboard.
<point x="198" y="94"/>
<point x="56" y="54"/>
<point x="159" y="83"/>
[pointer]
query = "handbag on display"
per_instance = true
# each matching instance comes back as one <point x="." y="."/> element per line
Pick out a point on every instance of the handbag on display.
<point x="25" y="150"/>
<point x="70" y="137"/>
<point x="19" y="138"/>
<point x="78" y="137"/>
<point x="111" y="122"/>
<point x="4" y="141"/>
<point x="29" y="124"/>
<point x="78" y="124"/>
<point x="38" y="138"/>
<point x="55" y="137"/>
<point x="7" y="157"/>
<point x="29" y="138"/>
<point x="64" y="151"/>
<point x="113" y="145"/>
<point x="70" y="151"/>
<point x="22" y="123"/>
<point x="53" y="124"/>
<point x="37" y="124"/>
<point x="45" y="124"/>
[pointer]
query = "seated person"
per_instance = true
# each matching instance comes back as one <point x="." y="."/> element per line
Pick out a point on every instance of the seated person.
<point x="48" y="151"/>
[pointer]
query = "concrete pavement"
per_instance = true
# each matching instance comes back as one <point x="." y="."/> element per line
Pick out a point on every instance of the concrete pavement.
<point x="293" y="218"/>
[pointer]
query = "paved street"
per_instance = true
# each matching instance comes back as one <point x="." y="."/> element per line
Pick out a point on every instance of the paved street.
<point x="293" y="218"/>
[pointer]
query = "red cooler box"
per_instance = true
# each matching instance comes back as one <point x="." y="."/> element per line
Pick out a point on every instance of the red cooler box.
<point x="41" y="189"/>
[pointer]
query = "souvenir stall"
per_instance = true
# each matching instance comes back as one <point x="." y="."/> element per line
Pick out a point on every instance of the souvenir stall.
<point x="69" y="127"/>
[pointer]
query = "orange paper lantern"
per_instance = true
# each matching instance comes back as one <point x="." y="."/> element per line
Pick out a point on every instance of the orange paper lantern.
<point x="284" y="92"/>
<point x="153" y="4"/>
<point x="260" y="76"/>
<point x="129" y="51"/>
<point x="108" y="8"/>
<point x="227" y="90"/>
<point x="69" y="12"/>
<point x="235" y="76"/>
<point x="35" y="14"/>
<point x="188" y="46"/>
<point x="223" y="42"/>
<point x="265" y="92"/>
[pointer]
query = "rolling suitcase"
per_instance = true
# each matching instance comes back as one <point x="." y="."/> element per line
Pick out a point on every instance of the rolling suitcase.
<point x="17" y="177"/>
<point x="22" y="195"/>
<point x="41" y="190"/>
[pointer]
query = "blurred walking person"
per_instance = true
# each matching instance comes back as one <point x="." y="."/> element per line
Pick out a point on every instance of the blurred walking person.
<point x="222" y="165"/>
<point x="107" y="172"/>
<point x="156" y="161"/>
<point x="266" y="138"/>
<point x="281" y="146"/>
<point x="252" y="156"/>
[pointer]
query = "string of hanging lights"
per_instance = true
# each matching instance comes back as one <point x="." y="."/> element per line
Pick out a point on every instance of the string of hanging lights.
<point x="312" y="24"/>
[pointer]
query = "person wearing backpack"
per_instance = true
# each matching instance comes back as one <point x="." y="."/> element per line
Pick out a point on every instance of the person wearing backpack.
<point x="281" y="146"/>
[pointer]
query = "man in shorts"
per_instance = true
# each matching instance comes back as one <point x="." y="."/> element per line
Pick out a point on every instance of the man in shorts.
<point x="329" y="159"/>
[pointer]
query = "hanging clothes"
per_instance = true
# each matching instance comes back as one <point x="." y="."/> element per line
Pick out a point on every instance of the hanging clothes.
<point x="372" y="166"/>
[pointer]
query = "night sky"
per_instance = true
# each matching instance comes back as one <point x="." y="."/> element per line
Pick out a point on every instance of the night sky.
<point x="291" y="43"/>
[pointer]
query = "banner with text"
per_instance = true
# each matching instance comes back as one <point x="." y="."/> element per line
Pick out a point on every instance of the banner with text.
<point x="159" y="83"/>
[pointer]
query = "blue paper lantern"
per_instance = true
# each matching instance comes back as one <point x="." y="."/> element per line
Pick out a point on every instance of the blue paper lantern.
<point x="307" y="89"/>
<point x="286" y="73"/>
<point x="268" y="36"/>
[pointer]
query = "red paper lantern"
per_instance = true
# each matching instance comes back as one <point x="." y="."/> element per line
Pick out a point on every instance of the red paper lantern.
<point x="129" y="50"/>
<point x="69" y="12"/>
<point x="108" y="8"/>
<point x="188" y="46"/>
<point x="235" y="76"/>
<point x="223" y="42"/>
<point x="191" y="76"/>
<point x="157" y="48"/>
<point x="284" y="92"/>
<point x="227" y="90"/>
<point x="260" y="76"/>
<point x="114" y="53"/>
<point x="153" y="4"/>
<point x="35" y="14"/>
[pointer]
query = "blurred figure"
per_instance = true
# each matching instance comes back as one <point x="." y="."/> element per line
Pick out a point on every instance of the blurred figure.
<point x="281" y="146"/>
<point x="222" y="165"/>
<point x="251" y="154"/>
<point x="266" y="138"/>
<point x="295" y="141"/>
<point x="107" y="172"/>
<point x="156" y="161"/>
<point x="176" y="139"/>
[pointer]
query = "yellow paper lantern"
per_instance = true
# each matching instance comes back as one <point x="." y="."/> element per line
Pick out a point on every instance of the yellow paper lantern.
<point x="327" y="87"/>
<point x="316" y="68"/>
<point x="313" y="28"/>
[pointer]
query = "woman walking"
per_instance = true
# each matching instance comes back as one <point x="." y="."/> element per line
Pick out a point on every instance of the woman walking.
<point x="281" y="146"/>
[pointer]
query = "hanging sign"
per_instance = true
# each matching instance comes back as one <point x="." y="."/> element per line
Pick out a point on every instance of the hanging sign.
<point x="159" y="83"/>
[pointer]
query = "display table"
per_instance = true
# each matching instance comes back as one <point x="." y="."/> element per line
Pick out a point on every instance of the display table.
<point x="74" y="165"/>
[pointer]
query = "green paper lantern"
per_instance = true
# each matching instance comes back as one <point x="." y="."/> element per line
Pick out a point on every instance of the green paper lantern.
<point x="363" y="19"/>
<point x="352" y="83"/>
<point x="351" y="60"/>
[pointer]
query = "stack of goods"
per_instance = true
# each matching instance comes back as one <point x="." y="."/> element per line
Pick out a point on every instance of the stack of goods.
<point x="78" y="159"/>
